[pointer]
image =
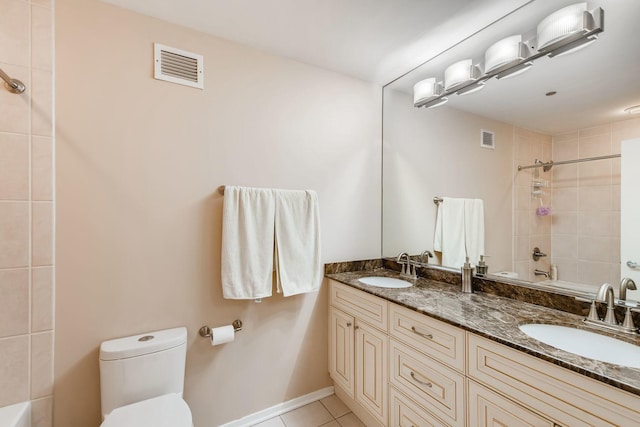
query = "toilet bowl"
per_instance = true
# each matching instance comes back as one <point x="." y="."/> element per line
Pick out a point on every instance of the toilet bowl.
<point x="169" y="410"/>
<point x="142" y="380"/>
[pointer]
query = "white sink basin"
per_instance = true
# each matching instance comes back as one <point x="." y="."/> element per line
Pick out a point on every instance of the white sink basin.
<point x="385" y="282"/>
<point x="585" y="343"/>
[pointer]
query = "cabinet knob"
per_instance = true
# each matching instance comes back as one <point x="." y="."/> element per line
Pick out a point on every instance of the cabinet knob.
<point x="356" y="327"/>
<point x="348" y="324"/>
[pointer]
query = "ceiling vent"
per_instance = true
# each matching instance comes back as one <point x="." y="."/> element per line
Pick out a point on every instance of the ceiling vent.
<point x="178" y="66"/>
<point x="487" y="139"/>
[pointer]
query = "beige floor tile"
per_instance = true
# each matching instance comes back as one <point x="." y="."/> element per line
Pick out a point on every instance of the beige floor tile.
<point x="350" y="420"/>
<point x="335" y="406"/>
<point x="333" y="423"/>
<point x="273" y="422"/>
<point x="311" y="415"/>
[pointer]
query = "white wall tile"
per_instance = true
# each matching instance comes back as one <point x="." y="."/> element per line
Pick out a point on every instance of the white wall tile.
<point x="14" y="166"/>
<point x="14" y="302"/>
<point x="14" y="234"/>
<point x="14" y="370"/>
<point x="41" y="364"/>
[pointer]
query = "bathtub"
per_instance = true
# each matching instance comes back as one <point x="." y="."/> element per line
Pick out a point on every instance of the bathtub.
<point x="18" y="415"/>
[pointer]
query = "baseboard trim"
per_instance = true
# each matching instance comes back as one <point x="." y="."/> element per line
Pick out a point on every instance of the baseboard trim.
<point x="280" y="408"/>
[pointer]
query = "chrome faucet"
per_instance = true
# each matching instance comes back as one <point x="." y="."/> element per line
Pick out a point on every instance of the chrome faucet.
<point x="408" y="269"/>
<point x="605" y="294"/>
<point x="625" y="284"/>
<point x="425" y="255"/>
<point x="627" y="323"/>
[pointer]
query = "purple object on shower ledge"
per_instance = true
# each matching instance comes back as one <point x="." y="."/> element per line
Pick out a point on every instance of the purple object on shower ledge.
<point x="543" y="211"/>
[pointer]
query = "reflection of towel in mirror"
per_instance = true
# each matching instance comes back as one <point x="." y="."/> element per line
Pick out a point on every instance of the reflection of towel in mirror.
<point x="449" y="234"/>
<point x="474" y="229"/>
<point x="459" y="231"/>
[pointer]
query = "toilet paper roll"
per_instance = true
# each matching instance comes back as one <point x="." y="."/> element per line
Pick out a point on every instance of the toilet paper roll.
<point x="222" y="335"/>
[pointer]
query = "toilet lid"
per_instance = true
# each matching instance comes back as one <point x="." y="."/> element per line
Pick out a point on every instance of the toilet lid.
<point x="164" y="411"/>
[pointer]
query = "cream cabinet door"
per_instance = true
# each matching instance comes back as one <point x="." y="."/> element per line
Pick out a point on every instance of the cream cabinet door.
<point x="489" y="409"/>
<point x="371" y="370"/>
<point x="341" y="356"/>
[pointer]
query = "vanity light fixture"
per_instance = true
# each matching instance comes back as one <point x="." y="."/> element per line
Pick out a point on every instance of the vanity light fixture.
<point x="564" y="31"/>
<point x="479" y="85"/>
<point x="505" y="53"/>
<point x="428" y="90"/>
<point x="460" y="74"/>
<point x="569" y="29"/>
<point x="634" y="109"/>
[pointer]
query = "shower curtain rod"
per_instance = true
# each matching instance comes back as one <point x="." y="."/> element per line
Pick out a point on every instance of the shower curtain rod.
<point x="548" y="165"/>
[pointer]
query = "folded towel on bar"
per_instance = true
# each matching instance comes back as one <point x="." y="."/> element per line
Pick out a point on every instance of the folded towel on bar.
<point x="297" y="242"/>
<point x="459" y="231"/>
<point x="247" y="242"/>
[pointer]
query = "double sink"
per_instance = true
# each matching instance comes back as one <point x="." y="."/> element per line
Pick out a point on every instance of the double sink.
<point x="573" y="340"/>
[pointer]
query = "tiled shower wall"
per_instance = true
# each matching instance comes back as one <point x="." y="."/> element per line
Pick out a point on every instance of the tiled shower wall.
<point x="586" y="201"/>
<point x="531" y="230"/>
<point x="27" y="208"/>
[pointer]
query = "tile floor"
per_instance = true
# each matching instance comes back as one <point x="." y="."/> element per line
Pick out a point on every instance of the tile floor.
<point x="327" y="412"/>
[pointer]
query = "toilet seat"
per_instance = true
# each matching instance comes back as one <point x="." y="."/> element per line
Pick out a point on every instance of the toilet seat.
<point x="169" y="410"/>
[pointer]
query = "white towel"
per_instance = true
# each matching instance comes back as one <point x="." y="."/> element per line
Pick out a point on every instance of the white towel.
<point x="474" y="229"/>
<point x="297" y="229"/>
<point x="247" y="242"/>
<point x="449" y="237"/>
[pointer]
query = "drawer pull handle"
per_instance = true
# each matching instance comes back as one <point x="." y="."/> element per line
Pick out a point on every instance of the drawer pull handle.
<point x="348" y="324"/>
<point x="427" y="336"/>
<point x="420" y="382"/>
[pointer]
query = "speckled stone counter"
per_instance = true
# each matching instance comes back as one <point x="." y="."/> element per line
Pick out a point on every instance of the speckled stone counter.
<point x="494" y="317"/>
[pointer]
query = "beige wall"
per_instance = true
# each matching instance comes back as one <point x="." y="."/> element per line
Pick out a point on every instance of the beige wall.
<point x="26" y="208"/>
<point x="436" y="152"/>
<point x="139" y="217"/>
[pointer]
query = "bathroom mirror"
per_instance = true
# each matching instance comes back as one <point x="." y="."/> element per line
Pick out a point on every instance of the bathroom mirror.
<point x="563" y="108"/>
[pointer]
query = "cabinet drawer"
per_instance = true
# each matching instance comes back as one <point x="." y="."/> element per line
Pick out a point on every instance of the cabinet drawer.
<point x="363" y="306"/>
<point x="434" y="338"/>
<point x="487" y="409"/>
<point x="565" y="397"/>
<point x="406" y="413"/>
<point x="429" y="383"/>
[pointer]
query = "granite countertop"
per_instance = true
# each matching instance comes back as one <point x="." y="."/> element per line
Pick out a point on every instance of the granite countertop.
<point x="497" y="318"/>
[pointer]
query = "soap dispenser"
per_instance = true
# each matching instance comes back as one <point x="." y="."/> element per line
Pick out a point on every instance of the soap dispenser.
<point x="467" y="272"/>
<point x="482" y="267"/>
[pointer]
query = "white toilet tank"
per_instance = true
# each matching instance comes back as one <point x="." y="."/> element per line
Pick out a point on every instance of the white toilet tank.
<point x="141" y="367"/>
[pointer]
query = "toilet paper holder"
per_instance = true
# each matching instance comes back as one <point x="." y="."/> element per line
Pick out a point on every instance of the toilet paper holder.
<point x="205" y="331"/>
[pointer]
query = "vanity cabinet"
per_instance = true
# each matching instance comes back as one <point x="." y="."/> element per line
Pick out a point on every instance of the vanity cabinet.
<point x="488" y="409"/>
<point x="426" y="364"/>
<point x="358" y="346"/>
<point x="396" y="367"/>
<point x="565" y="397"/>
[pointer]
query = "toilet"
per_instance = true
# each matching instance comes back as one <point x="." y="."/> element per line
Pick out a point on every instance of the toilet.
<point x="142" y="380"/>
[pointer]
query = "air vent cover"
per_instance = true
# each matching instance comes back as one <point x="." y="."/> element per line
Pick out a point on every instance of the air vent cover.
<point x="178" y="66"/>
<point x="487" y="139"/>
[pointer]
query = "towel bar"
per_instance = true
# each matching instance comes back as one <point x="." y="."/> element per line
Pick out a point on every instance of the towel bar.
<point x="437" y="200"/>
<point x="205" y="331"/>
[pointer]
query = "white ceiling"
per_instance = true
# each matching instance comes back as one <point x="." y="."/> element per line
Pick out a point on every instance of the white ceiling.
<point x="374" y="40"/>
